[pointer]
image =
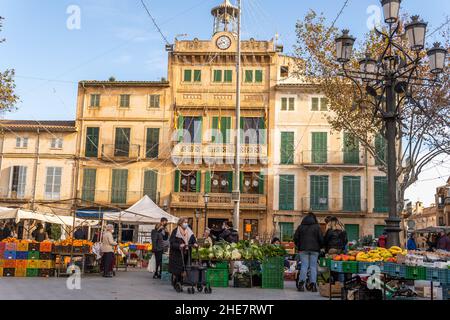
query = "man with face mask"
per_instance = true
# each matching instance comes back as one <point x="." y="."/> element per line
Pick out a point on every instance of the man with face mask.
<point x="181" y="241"/>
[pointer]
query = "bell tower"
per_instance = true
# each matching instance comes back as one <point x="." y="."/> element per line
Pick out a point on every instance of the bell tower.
<point x="225" y="17"/>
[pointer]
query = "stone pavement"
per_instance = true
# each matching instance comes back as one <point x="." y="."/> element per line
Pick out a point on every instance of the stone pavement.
<point x="133" y="285"/>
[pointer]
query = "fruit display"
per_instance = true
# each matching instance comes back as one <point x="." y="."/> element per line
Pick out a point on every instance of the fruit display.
<point x="74" y="242"/>
<point x="243" y="250"/>
<point x="17" y="241"/>
<point x="371" y="255"/>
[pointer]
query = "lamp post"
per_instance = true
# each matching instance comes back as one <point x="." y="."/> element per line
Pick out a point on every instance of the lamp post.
<point x="206" y="200"/>
<point x="197" y="218"/>
<point x="388" y="81"/>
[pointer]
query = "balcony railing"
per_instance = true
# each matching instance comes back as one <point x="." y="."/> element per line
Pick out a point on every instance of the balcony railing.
<point x="111" y="152"/>
<point x="325" y="157"/>
<point x="218" y="200"/>
<point x="326" y="204"/>
<point x="8" y="195"/>
<point x="211" y="153"/>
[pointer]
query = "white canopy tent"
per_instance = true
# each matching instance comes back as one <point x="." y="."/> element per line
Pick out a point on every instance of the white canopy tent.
<point x="145" y="211"/>
<point x="19" y="214"/>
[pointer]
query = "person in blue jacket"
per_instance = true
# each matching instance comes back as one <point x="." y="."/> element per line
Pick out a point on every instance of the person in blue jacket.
<point x="411" y="243"/>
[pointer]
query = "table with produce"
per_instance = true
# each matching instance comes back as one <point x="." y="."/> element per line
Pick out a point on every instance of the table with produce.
<point x="251" y="264"/>
<point x="396" y="266"/>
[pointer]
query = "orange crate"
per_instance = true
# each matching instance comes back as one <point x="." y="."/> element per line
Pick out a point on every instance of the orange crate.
<point x="1" y="263"/>
<point x="33" y="264"/>
<point x="1" y="272"/>
<point x="21" y="272"/>
<point x="9" y="264"/>
<point x="46" y="247"/>
<point x="10" y="247"/>
<point x="45" y="264"/>
<point x="21" y="264"/>
<point x="22" y="247"/>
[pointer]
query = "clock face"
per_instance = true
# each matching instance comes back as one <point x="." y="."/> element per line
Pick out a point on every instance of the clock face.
<point x="223" y="42"/>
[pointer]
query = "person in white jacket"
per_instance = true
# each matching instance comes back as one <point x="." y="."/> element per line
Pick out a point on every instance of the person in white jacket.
<point x="107" y="249"/>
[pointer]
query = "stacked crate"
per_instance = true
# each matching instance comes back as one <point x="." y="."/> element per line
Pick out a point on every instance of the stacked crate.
<point x="26" y="260"/>
<point x="273" y="273"/>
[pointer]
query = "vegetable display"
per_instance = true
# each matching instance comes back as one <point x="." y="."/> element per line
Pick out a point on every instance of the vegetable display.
<point x="243" y="250"/>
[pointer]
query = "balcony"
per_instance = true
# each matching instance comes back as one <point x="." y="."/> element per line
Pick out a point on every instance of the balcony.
<point x="211" y="153"/>
<point x="6" y="195"/>
<point x="337" y="205"/>
<point x="111" y="152"/>
<point x="218" y="201"/>
<point x="345" y="159"/>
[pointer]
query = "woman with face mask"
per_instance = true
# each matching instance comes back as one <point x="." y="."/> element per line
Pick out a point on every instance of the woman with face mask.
<point x="181" y="242"/>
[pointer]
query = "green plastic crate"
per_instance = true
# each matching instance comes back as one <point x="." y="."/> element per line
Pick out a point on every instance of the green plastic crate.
<point x="33" y="255"/>
<point x="325" y="262"/>
<point x="416" y="273"/>
<point x="219" y="265"/>
<point x="217" y="278"/>
<point x="273" y="280"/>
<point x="350" y="266"/>
<point x="437" y="275"/>
<point x="32" y="272"/>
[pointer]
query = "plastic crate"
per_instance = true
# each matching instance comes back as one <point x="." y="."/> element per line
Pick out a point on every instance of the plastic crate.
<point x="21" y="264"/>
<point x="33" y="255"/>
<point x="350" y="266"/>
<point x="416" y="273"/>
<point x="1" y="272"/>
<point x="45" y="256"/>
<point x="437" y="275"/>
<point x="217" y="278"/>
<point x="46" y="273"/>
<point x="45" y="247"/>
<point x="22" y="255"/>
<point x="33" y="247"/>
<point x="10" y="264"/>
<point x="32" y="273"/>
<point x="33" y="264"/>
<point x="1" y="263"/>
<point x="272" y="280"/>
<point x="132" y="247"/>
<point x="364" y="266"/>
<point x="10" y="247"/>
<point x="9" y="255"/>
<point x="336" y="266"/>
<point x="219" y="265"/>
<point x="46" y="264"/>
<point x="2" y="246"/>
<point x="22" y="246"/>
<point x="394" y="269"/>
<point x="9" y="272"/>
<point x="446" y="292"/>
<point x="324" y="262"/>
<point x="20" y="272"/>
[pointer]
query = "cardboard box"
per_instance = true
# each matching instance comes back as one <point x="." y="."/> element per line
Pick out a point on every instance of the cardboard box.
<point x="336" y="289"/>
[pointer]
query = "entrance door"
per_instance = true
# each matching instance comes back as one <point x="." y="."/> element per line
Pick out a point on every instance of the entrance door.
<point x="250" y="229"/>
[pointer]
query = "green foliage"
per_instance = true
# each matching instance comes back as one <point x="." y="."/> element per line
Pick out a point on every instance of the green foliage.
<point x="55" y="232"/>
<point x="8" y="99"/>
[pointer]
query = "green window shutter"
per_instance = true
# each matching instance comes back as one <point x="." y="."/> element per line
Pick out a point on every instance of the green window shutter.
<point x="198" y="135"/>
<point x="226" y="129"/>
<point x="262" y="128"/>
<point x="351" y="193"/>
<point x="319" y="147"/>
<point x="286" y="231"/>
<point x="151" y="184"/>
<point x="187" y="75"/>
<point x="258" y="76"/>
<point x="176" y="185"/>
<point x="287" y="147"/>
<point x="215" y="127"/>
<point x="230" y="180"/>
<point x="197" y="75"/>
<point x="324" y="104"/>
<point x="228" y="76"/>
<point x="319" y="193"/>
<point x="198" y="181"/>
<point x="241" y="181"/>
<point x="380" y="150"/>
<point x="286" y="192"/>
<point x="284" y="103"/>
<point x="208" y="181"/>
<point x="180" y="128"/>
<point x="351" y="149"/>
<point x="89" y="180"/>
<point x="242" y="129"/>
<point x="352" y="232"/>
<point x="122" y="142"/>
<point x="152" y="146"/>
<point x="315" y="104"/>
<point x="261" y="183"/>
<point x="378" y="230"/>
<point x="119" y="186"/>
<point x="124" y="100"/>
<point x="291" y="104"/>
<point x="92" y="141"/>
<point x="217" y="75"/>
<point x="248" y="75"/>
<point x="380" y="194"/>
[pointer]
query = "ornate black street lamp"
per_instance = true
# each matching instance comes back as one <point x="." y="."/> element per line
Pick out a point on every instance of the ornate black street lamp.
<point x="206" y="200"/>
<point x="388" y="81"/>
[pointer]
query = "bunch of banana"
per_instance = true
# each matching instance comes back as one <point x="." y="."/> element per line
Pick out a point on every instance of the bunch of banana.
<point x="395" y="250"/>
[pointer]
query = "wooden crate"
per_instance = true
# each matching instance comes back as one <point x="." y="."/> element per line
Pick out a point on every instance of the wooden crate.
<point x="336" y="289"/>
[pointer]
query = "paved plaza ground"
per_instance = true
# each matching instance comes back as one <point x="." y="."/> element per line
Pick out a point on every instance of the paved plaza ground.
<point x="133" y="285"/>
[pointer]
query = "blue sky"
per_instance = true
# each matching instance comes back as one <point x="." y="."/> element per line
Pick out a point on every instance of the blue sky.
<point x="118" y="39"/>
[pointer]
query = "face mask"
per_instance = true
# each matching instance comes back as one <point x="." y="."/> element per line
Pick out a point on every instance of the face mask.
<point x="185" y="225"/>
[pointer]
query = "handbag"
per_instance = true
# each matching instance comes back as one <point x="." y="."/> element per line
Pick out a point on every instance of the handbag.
<point x="152" y="264"/>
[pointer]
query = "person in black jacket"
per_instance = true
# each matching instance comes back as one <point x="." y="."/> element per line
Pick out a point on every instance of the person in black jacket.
<point x="335" y="239"/>
<point x="308" y="240"/>
<point x="229" y="234"/>
<point x="180" y="241"/>
<point x="158" y="249"/>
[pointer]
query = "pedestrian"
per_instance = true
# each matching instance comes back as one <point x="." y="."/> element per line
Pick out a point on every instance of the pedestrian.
<point x="411" y="243"/>
<point x="443" y="242"/>
<point x="107" y="250"/>
<point x="158" y="248"/>
<point x="6" y="233"/>
<point x="432" y="242"/>
<point x="39" y="234"/>
<point x="208" y="240"/>
<point x="308" y="239"/>
<point x="335" y="239"/>
<point x="276" y="241"/>
<point x="80" y="234"/>
<point x="229" y="234"/>
<point x="382" y="240"/>
<point x="180" y="241"/>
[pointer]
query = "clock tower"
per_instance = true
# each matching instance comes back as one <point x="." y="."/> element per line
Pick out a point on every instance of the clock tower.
<point x="225" y="17"/>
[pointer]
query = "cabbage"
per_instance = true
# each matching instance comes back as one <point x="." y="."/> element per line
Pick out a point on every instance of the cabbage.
<point x="236" y="255"/>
